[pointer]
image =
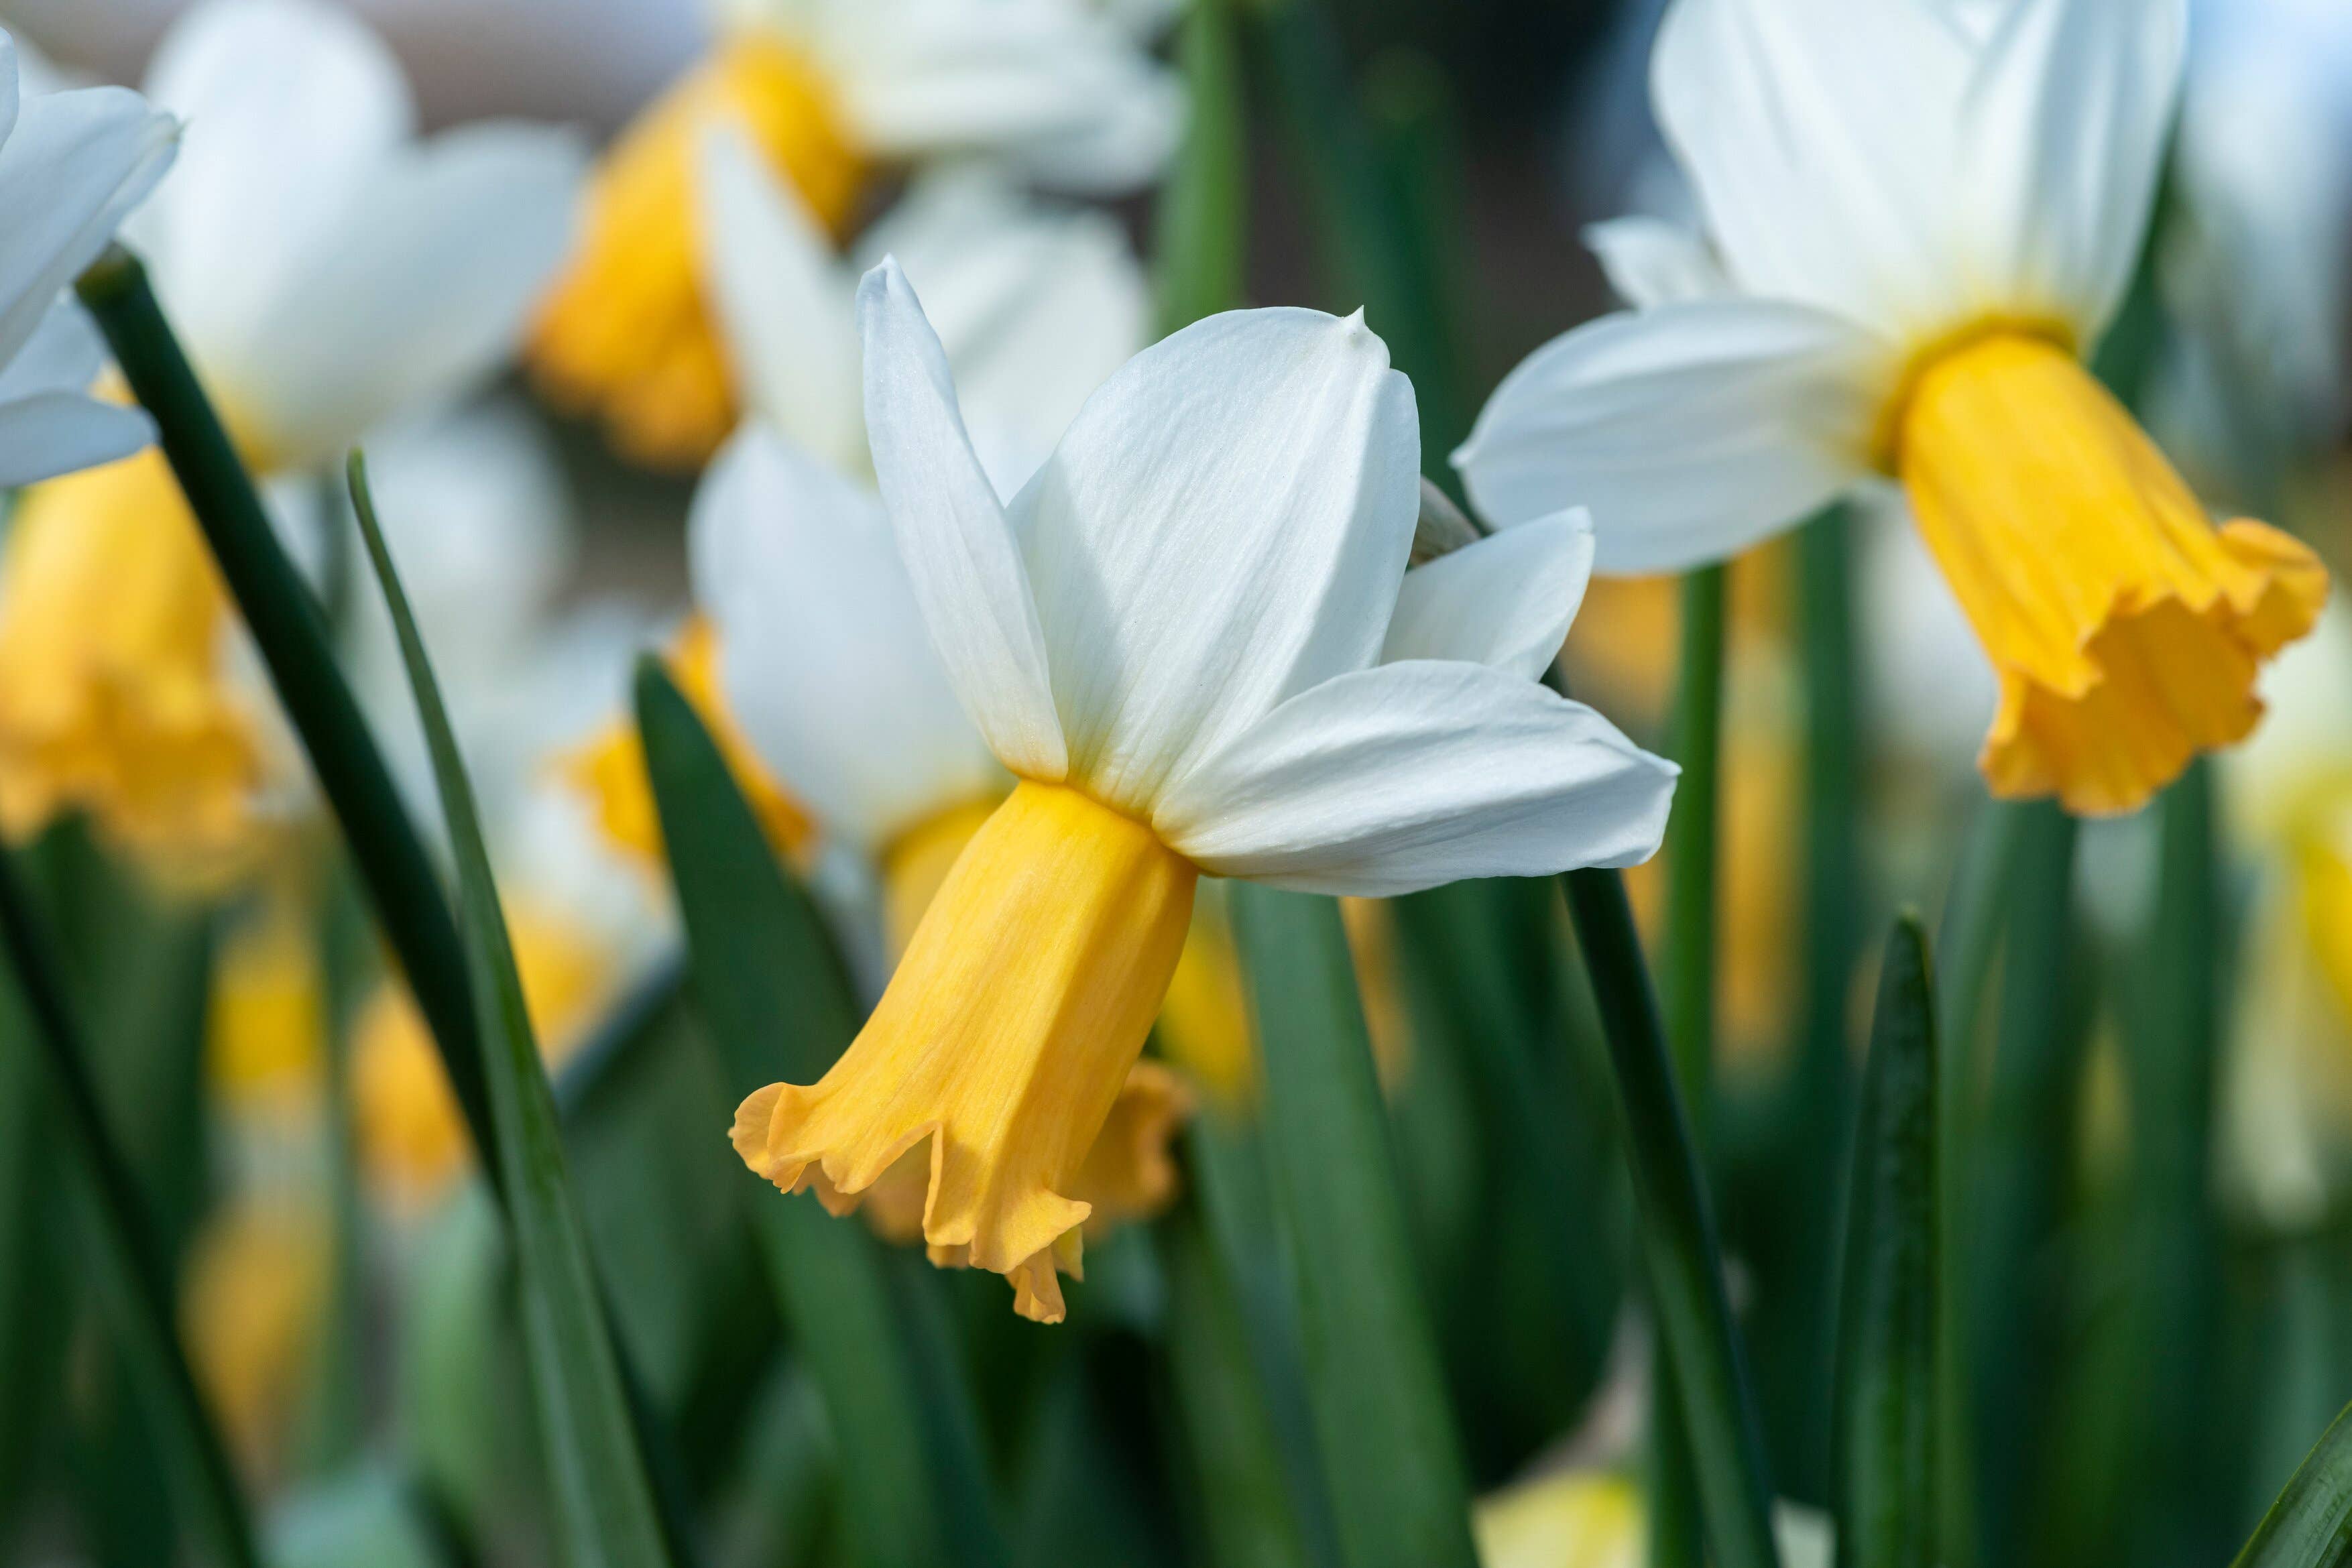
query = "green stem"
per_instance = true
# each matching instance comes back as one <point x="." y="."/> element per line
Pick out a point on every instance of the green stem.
<point x="291" y="634"/>
<point x="1204" y="207"/>
<point x="1689" y="964"/>
<point x="1697" y="1337"/>
<point x="135" y="1282"/>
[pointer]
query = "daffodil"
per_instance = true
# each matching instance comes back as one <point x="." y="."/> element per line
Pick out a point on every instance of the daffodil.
<point x="1193" y="641"/>
<point x="1038" y="303"/>
<point x="829" y="93"/>
<point x="1920" y="218"/>
<point x="326" y="271"/>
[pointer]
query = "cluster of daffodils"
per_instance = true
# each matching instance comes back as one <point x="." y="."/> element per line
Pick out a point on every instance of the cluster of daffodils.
<point x="1920" y="218"/>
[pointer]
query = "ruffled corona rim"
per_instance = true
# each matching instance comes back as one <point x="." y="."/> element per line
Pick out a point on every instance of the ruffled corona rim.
<point x="2127" y="629"/>
<point x="1003" y="1043"/>
<point x="626" y="334"/>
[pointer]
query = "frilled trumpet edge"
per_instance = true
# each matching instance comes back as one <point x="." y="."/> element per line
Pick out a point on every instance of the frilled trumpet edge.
<point x="1004" y="1040"/>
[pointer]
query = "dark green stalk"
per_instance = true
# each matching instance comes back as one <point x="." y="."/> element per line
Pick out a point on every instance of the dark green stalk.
<point x="135" y="1283"/>
<point x="1885" y="1419"/>
<point x="1204" y="207"/>
<point x="292" y="636"/>
<point x="1688" y="965"/>
<point x="1394" y="1461"/>
<point x="1697" y="1337"/>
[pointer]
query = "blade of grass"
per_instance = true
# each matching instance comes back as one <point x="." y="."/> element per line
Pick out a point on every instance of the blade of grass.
<point x="1884" y="1412"/>
<point x="1679" y="1245"/>
<point x="769" y="985"/>
<point x="292" y="637"/>
<point x="608" y="1513"/>
<point x="2310" y="1525"/>
<point x="1200" y="235"/>
<point x="1392" y="1456"/>
<point x="133" y="1280"/>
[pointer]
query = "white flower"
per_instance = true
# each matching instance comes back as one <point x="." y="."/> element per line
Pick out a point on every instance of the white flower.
<point x="1919" y="215"/>
<point x="72" y="165"/>
<point x="1036" y="304"/>
<point x="1193" y="640"/>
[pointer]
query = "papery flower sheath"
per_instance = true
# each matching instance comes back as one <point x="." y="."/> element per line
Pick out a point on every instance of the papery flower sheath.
<point x="1921" y="218"/>
<point x="1193" y="641"/>
<point x="326" y="271"/>
<point x="826" y="93"/>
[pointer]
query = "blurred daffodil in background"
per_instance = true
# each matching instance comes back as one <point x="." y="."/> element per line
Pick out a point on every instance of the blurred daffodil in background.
<point x="834" y="97"/>
<point x="1919" y="220"/>
<point x="331" y="272"/>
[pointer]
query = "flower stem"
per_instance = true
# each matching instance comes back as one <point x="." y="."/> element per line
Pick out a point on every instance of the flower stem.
<point x="1684" y="1262"/>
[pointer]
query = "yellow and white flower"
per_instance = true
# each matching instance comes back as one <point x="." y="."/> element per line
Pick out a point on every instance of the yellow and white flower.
<point x="1922" y="217"/>
<point x="1193" y="641"/>
<point x="829" y="92"/>
<point x="326" y="271"/>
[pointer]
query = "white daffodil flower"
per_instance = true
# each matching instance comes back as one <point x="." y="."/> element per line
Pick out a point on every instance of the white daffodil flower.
<point x="1920" y="215"/>
<point x="1193" y="640"/>
<point x="1037" y="303"/>
<point x="326" y="271"/>
<point x="827" y="93"/>
<point x="72" y="166"/>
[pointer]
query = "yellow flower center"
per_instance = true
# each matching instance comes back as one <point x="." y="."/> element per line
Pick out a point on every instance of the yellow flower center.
<point x="1004" y="1040"/>
<point x="2127" y="629"/>
<point x="412" y="1136"/>
<point x="626" y="334"/>
<point x="111" y="692"/>
<point x="609" y="769"/>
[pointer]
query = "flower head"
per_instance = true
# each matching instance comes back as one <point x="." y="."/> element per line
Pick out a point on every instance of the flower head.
<point x="1920" y="217"/>
<point x="822" y="94"/>
<point x="1193" y="640"/>
<point x="326" y="272"/>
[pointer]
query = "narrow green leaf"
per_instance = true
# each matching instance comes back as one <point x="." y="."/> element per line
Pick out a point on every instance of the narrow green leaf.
<point x="134" y="1282"/>
<point x="1204" y="207"/>
<point x="1679" y="1246"/>
<point x="292" y="637"/>
<point x="1388" y="1444"/>
<point x="2310" y="1525"/>
<point x="609" y="1517"/>
<point x="770" y="986"/>
<point x="1885" y="1406"/>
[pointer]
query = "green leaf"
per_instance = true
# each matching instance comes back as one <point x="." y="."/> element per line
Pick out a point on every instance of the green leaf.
<point x="1683" y="1257"/>
<point x="1885" y="1402"/>
<point x="608" y="1514"/>
<point x="292" y="637"/>
<point x="134" y="1282"/>
<point x="770" y="986"/>
<point x="1393" y="1458"/>
<point x="1203" y="215"/>
<point x="2310" y="1525"/>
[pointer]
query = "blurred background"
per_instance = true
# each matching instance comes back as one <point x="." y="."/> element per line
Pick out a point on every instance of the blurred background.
<point x="2162" y="1314"/>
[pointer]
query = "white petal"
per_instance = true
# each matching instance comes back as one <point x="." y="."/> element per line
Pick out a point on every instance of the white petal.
<point x="1404" y="777"/>
<point x="952" y="532"/>
<point x="1507" y="601"/>
<point x="292" y="105"/>
<point x="1691" y="430"/>
<point x="420" y="296"/>
<point x="2065" y="129"/>
<point x="787" y="305"/>
<point x="1650" y="261"/>
<point x="74" y="165"/>
<point x="824" y="653"/>
<point x="63" y="354"/>
<point x="53" y="433"/>
<point x="1037" y="305"/>
<point x="1822" y="135"/>
<point x="1224" y="525"/>
<point x="1049" y="85"/>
